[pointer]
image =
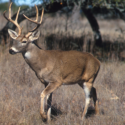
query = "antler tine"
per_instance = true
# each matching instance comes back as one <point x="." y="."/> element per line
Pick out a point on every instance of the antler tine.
<point x="41" y="16"/>
<point x="14" y="22"/>
<point x="10" y="10"/>
<point x="39" y="23"/>
<point x="35" y="21"/>
<point x="17" y="15"/>
<point x="37" y="14"/>
<point x="5" y="15"/>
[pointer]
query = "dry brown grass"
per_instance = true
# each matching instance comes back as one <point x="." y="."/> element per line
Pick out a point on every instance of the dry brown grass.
<point x="20" y="96"/>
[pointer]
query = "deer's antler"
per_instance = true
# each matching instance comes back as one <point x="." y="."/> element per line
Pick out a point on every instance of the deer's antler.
<point x="35" y="21"/>
<point x="14" y="22"/>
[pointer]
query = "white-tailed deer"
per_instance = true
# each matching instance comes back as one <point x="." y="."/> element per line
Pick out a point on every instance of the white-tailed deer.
<point x="55" y="68"/>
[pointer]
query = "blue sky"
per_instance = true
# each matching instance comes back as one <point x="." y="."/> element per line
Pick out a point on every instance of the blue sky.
<point x="24" y="2"/>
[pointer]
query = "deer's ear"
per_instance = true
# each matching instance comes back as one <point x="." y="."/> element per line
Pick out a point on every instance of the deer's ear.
<point x="12" y="34"/>
<point x="35" y="35"/>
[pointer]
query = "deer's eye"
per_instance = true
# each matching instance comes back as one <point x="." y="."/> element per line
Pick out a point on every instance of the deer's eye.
<point x="23" y="41"/>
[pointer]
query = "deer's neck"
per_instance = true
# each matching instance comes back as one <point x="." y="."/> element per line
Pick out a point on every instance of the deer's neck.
<point x="34" y="57"/>
<point x="31" y="52"/>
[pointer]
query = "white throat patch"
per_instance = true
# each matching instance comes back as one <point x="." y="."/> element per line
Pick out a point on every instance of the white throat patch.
<point x="27" y="55"/>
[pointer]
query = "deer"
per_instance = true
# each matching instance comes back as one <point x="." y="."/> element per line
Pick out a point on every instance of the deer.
<point x="54" y="67"/>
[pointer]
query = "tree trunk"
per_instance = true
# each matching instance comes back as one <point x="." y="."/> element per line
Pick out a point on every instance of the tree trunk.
<point x="94" y="25"/>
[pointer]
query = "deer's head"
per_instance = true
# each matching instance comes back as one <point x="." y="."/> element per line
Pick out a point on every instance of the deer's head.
<point x="20" y="42"/>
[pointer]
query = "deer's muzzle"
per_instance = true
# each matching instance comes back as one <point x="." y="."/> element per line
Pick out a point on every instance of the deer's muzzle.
<point x="12" y="52"/>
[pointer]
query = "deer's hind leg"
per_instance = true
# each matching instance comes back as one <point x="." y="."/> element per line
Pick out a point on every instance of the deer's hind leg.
<point x="90" y="92"/>
<point x="95" y="100"/>
<point x="94" y="96"/>
<point x="87" y="89"/>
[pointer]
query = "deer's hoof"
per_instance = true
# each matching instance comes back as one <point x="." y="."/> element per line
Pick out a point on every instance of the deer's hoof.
<point x="44" y="116"/>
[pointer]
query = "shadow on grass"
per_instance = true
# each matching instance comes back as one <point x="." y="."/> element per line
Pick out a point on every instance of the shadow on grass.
<point x="55" y="111"/>
<point x="91" y="112"/>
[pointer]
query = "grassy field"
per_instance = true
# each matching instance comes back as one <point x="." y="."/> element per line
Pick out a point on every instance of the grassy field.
<point x="20" y="89"/>
<point x="20" y="96"/>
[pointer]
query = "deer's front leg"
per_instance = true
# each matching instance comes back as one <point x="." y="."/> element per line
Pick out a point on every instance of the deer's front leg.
<point x="42" y="104"/>
<point x="47" y="91"/>
<point x="42" y="107"/>
<point x="49" y="101"/>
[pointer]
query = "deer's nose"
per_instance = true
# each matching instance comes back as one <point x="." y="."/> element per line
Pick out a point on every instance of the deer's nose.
<point x="11" y="51"/>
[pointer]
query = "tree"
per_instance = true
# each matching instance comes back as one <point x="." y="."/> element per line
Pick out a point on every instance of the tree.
<point x="51" y="8"/>
<point x="86" y="6"/>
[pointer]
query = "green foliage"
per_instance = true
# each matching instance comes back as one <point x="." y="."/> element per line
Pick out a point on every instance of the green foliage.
<point x="4" y="6"/>
<point x="93" y="3"/>
<point x="52" y="1"/>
